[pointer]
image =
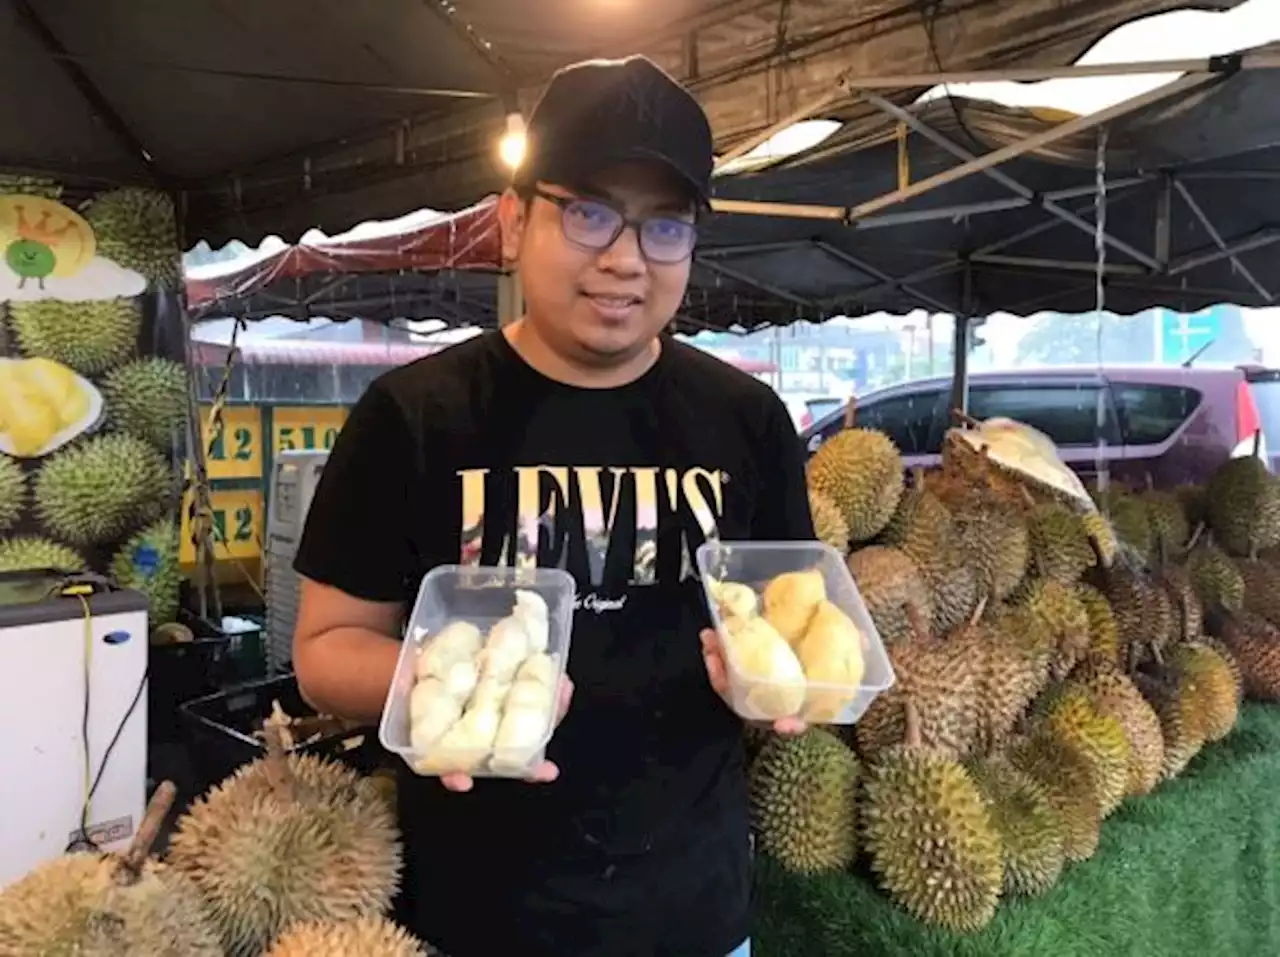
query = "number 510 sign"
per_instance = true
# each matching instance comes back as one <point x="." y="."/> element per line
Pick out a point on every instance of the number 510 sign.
<point x="306" y="427"/>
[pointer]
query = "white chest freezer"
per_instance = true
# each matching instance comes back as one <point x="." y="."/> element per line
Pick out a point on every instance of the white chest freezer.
<point x="52" y="663"/>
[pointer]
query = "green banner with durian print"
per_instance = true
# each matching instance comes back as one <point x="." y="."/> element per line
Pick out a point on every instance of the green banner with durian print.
<point x="93" y="384"/>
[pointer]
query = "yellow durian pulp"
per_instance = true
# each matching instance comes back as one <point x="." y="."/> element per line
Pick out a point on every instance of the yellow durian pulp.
<point x="764" y="659"/>
<point x="791" y="599"/>
<point x="831" y="653"/>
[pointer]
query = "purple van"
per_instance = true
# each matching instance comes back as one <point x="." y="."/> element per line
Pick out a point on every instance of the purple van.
<point x="1171" y="423"/>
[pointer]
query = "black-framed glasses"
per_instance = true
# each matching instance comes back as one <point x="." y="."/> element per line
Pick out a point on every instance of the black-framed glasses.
<point x="595" y="225"/>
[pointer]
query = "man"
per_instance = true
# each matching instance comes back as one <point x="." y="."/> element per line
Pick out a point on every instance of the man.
<point x="580" y="436"/>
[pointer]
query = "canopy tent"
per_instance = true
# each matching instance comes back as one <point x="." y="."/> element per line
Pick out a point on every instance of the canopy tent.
<point x="1187" y="225"/>
<point x="280" y="117"/>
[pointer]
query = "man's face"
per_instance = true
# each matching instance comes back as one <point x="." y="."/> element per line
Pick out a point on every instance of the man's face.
<point x="598" y="307"/>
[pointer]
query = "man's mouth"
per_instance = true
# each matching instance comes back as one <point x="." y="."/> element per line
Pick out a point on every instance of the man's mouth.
<point x="613" y="301"/>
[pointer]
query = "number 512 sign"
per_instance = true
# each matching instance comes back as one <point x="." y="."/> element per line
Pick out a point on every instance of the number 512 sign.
<point x="306" y="427"/>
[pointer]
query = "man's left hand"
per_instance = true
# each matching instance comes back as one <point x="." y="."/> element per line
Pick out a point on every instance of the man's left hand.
<point x="718" y="673"/>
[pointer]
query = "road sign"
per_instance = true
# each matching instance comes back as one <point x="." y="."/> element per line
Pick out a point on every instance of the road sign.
<point x="1183" y="334"/>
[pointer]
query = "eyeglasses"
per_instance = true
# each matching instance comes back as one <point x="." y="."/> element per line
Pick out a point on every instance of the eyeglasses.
<point x="595" y="225"/>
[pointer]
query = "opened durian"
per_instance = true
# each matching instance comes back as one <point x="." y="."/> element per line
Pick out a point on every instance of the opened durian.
<point x="930" y="836"/>
<point x="103" y="905"/>
<point x="803" y="802"/>
<point x="287" y="839"/>
<point x="363" y="937"/>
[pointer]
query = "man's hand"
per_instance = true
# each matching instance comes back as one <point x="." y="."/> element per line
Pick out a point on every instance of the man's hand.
<point x="718" y="672"/>
<point x="543" y="773"/>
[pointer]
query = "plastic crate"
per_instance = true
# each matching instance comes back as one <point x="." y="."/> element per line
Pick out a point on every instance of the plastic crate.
<point x="184" y="670"/>
<point x="219" y="730"/>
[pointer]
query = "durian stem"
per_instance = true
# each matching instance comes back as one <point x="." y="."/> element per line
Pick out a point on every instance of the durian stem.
<point x="157" y="809"/>
<point x="276" y="764"/>
<point x="1195" y="537"/>
<point x="915" y="620"/>
<point x="850" y="412"/>
<point x="964" y="418"/>
<point x="913" y="738"/>
<point x="977" y="612"/>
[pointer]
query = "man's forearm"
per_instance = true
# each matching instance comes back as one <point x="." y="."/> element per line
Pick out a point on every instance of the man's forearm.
<point x="346" y="672"/>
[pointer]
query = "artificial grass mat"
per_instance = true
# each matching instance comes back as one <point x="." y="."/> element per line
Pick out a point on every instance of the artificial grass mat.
<point x="1193" y="868"/>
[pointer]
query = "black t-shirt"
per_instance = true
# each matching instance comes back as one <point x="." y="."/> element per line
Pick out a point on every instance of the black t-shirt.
<point x="641" y="847"/>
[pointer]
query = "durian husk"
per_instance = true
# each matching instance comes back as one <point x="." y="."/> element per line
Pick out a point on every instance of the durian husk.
<point x="1216" y="578"/>
<point x="1101" y="739"/>
<point x="1211" y="686"/>
<point x="1015" y="657"/>
<point x="287" y="839"/>
<point x="990" y="532"/>
<point x="1170" y="529"/>
<point x="1261" y="589"/>
<point x="1056" y="613"/>
<point x="103" y="905"/>
<point x="1071" y="782"/>
<point x="860" y="470"/>
<point x="1104" y="634"/>
<point x="363" y="937"/>
<point x="1060" y="546"/>
<point x="929" y="833"/>
<point x="804" y="802"/>
<point x="1255" y="644"/>
<point x="1112" y="694"/>
<point x="1187" y="607"/>
<point x="892" y="589"/>
<point x="939" y="679"/>
<point x="1031" y="832"/>
<point x="1130" y="519"/>
<point x="1182" y="724"/>
<point x="828" y="521"/>
<point x="1242" y="501"/>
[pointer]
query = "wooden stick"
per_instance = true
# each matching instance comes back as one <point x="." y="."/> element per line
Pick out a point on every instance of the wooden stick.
<point x="276" y="762"/>
<point x="135" y="857"/>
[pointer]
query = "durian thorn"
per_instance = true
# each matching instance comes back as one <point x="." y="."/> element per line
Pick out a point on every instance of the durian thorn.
<point x="148" y="830"/>
<point x="276" y="762"/>
<point x="912" y="714"/>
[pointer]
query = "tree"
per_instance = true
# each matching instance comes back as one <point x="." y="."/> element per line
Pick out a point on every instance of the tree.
<point x="1057" y="339"/>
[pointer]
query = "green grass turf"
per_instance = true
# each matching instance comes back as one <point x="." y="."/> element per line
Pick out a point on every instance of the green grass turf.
<point x="1192" y="869"/>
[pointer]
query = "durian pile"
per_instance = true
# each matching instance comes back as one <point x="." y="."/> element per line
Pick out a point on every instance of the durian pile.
<point x="290" y="855"/>
<point x="1058" y="651"/>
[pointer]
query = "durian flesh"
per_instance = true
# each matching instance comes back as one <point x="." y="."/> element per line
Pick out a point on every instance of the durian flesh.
<point x="484" y="703"/>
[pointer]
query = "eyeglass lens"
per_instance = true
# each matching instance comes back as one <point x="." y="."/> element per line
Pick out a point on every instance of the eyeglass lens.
<point x="597" y="226"/>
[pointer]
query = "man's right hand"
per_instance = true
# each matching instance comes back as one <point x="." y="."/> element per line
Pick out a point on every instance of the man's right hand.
<point x="544" y="773"/>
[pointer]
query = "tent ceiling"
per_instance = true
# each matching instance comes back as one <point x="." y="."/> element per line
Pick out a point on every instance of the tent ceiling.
<point x="184" y="93"/>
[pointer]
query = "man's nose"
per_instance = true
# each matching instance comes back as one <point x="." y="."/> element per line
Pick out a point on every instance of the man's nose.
<point x="623" y="257"/>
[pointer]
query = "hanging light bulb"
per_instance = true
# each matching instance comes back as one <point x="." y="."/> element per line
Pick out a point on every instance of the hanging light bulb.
<point x="512" y="145"/>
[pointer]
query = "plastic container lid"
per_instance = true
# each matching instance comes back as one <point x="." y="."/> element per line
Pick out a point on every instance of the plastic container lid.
<point x="475" y="669"/>
<point x="755" y="564"/>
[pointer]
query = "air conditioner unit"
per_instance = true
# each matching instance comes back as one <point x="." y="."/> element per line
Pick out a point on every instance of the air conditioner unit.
<point x="293" y="483"/>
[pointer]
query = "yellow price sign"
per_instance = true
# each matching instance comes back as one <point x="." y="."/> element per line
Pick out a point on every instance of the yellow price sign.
<point x="237" y="525"/>
<point x="306" y="427"/>
<point x="234" y="450"/>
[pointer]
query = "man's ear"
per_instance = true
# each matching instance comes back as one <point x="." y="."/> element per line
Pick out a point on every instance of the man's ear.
<point x="513" y="213"/>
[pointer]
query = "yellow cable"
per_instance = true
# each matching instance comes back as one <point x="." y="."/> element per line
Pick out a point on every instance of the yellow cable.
<point x="79" y="591"/>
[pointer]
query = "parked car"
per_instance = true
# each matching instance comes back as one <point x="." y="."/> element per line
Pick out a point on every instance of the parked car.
<point x="1170" y="423"/>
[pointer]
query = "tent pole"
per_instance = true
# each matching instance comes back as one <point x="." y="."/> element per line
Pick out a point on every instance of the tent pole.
<point x="1216" y="236"/>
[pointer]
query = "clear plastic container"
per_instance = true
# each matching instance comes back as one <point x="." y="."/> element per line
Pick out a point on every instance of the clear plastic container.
<point x="755" y="564"/>
<point x="481" y="597"/>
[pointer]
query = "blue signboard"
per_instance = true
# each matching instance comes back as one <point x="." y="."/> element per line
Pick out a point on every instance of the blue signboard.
<point x="1183" y="334"/>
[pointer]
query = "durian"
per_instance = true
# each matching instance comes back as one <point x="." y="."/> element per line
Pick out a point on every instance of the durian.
<point x="12" y="184"/>
<point x="1255" y="645"/>
<point x="1058" y="614"/>
<point x="13" y="492"/>
<point x="1170" y="529"/>
<point x="1243" y="504"/>
<point x="28" y="552"/>
<point x="102" y="905"/>
<point x="804" y="802"/>
<point x="1060" y="548"/>
<point x="1104" y="635"/>
<point x="938" y="680"/>
<point x="1102" y="535"/>
<point x="136" y="228"/>
<point x="990" y="533"/>
<point x="285" y="840"/>
<point x="892" y="589"/>
<point x="860" y="470"/>
<point x="1261" y="589"/>
<point x="931" y="839"/>
<point x="1074" y="721"/>
<point x="920" y="527"/>
<point x="148" y="562"/>
<point x="1131" y="521"/>
<point x="363" y="937"/>
<point x="828" y="521"/>
<point x="1112" y="694"/>
<point x="1216" y="578"/>
<point x="1211" y="686"/>
<point x="90" y="337"/>
<point x="831" y="654"/>
<point x="1031" y="833"/>
<point x="1182" y="724"/>
<point x="1187" y="607"/>
<point x="94" y="492"/>
<point x="1071" y="783"/>
<point x="1014" y="653"/>
<point x="148" y="398"/>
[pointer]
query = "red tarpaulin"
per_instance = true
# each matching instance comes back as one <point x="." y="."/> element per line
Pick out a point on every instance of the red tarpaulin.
<point x="465" y="240"/>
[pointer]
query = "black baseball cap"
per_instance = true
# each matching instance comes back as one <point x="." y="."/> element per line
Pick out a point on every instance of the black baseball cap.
<point x="598" y="113"/>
